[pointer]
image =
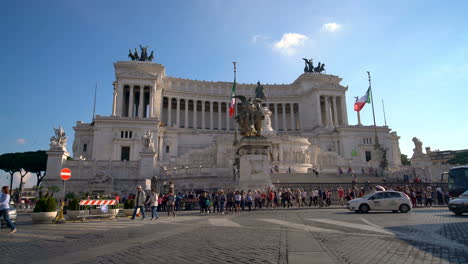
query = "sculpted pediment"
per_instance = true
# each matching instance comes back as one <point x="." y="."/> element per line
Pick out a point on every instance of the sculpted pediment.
<point x="138" y="75"/>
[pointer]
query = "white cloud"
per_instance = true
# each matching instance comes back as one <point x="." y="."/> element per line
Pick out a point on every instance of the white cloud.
<point x="289" y="43"/>
<point x="21" y="141"/>
<point x="331" y="27"/>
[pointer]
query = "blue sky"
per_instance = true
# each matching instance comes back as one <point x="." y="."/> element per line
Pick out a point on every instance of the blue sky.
<point x="54" y="53"/>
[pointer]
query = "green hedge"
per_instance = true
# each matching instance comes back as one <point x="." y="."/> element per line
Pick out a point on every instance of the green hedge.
<point x="45" y="205"/>
<point x="74" y="204"/>
<point x="129" y="204"/>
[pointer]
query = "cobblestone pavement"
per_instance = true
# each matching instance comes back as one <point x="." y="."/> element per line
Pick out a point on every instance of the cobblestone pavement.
<point x="431" y="235"/>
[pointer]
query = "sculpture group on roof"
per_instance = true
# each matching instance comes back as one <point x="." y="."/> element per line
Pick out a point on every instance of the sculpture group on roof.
<point x="143" y="56"/>
<point x="309" y="66"/>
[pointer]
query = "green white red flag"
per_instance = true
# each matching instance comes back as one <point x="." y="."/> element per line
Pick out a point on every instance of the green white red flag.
<point x="359" y="104"/>
<point x="233" y="100"/>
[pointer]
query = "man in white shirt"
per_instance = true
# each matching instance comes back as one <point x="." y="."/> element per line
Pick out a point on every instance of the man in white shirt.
<point x="5" y="208"/>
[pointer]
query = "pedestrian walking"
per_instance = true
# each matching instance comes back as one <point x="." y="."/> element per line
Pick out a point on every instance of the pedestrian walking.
<point x="140" y="203"/>
<point x="153" y="203"/>
<point x="5" y="208"/>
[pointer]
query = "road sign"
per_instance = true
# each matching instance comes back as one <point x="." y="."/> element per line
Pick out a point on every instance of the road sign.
<point x="65" y="174"/>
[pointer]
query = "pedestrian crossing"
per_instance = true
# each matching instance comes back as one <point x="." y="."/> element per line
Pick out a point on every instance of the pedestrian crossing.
<point x="62" y="231"/>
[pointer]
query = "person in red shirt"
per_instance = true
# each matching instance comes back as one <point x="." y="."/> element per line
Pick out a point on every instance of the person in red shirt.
<point x="341" y="195"/>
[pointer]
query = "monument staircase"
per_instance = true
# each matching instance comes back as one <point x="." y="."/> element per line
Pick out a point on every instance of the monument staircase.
<point x="321" y="178"/>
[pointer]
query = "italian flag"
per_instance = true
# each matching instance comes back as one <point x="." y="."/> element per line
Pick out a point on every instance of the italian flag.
<point x="359" y="104"/>
<point x="233" y="100"/>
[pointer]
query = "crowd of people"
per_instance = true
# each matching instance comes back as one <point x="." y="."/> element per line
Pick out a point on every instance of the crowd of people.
<point x="235" y="201"/>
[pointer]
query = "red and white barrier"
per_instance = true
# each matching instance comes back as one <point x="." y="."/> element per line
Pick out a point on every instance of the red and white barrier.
<point x="98" y="202"/>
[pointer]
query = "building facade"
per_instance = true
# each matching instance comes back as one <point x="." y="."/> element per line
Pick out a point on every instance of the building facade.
<point x="192" y="134"/>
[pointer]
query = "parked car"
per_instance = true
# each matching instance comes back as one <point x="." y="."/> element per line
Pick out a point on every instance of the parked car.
<point x="381" y="201"/>
<point x="12" y="214"/>
<point x="459" y="205"/>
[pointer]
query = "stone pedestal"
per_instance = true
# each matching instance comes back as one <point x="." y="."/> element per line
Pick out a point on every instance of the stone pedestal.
<point x="55" y="162"/>
<point x="254" y="162"/>
<point x="147" y="166"/>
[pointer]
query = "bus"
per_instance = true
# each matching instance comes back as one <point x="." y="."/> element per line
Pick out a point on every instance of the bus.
<point x="457" y="180"/>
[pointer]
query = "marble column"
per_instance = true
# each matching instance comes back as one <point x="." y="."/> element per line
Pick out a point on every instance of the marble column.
<point x="211" y="115"/>
<point x="319" y="110"/>
<point x="293" y="118"/>
<point x="335" y="112"/>
<point x="186" y="113"/>
<point x="203" y="118"/>
<point x="299" y="111"/>
<point x="344" y="111"/>
<point x="130" y="102"/>
<point x="140" y="103"/>
<point x="220" y="126"/>
<point x="178" y="113"/>
<point x="114" y="102"/>
<point x="285" y="128"/>
<point x="151" y="102"/>
<point x="329" y="112"/>
<point x="228" y="125"/>
<point x="169" y="112"/>
<point x="194" y="114"/>
<point x="276" y="117"/>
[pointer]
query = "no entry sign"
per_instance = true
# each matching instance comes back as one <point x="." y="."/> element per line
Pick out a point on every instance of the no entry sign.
<point x="65" y="174"/>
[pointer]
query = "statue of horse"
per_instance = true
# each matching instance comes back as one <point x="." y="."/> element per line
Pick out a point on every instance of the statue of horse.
<point x="151" y="56"/>
<point x="130" y="55"/>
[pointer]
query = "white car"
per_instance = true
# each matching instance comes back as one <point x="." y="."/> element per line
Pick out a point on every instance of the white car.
<point x="381" y="201"/>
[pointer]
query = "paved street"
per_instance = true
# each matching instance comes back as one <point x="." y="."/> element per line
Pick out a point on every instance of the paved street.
<point x="269" y="236"/>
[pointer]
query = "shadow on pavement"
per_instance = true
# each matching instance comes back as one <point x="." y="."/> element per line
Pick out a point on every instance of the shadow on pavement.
<point x="446" y="241"/>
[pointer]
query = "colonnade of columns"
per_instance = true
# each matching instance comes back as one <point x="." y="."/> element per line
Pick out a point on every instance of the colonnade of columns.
<point x="136" y="101"/>
<point x="214" y="115"/>
<point x="332" y="111"/>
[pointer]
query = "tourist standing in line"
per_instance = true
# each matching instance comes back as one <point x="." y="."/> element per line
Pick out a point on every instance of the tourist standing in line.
<point x="222" y="201"/>
<point x="419" y="197"/>
<point x="249" y="200"/>
<point x="237" y="200"/>
<point x="140" y="202"/>
<point x="5" y="208"/>
<point x="428" y="196"/>
<point x="277" y="198"/>
<point x="341" y="195"/>
<point x="170" y="204"/>
<point x="229" y="202"/>
<point x="215" y="199"/>
<point x="153" y="202"/>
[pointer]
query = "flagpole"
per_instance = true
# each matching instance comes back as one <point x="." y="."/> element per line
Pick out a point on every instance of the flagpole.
<point x="385" y="118"/>
<point x="373" y="112"/>
<point x="235" y="106"/>
<point x="94" y="106"/>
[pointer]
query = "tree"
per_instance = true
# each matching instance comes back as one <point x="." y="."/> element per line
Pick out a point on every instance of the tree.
<point x="23" y="163"/>
<point x="404" y="160"/>
<point x="460" y="158"/>
<point x="36" y="162"/>
<point x="10" y="163"/>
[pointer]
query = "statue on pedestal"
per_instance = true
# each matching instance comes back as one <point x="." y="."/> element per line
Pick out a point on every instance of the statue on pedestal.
<point x="148" y="142"/>
<point x="143" y="55"/>
<point x="59" y="140"/>
<point x="309" y="66"/>
<point x="260" y="92"/>
<point x="417" y="151"/>
<point x="250" y="117"/>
